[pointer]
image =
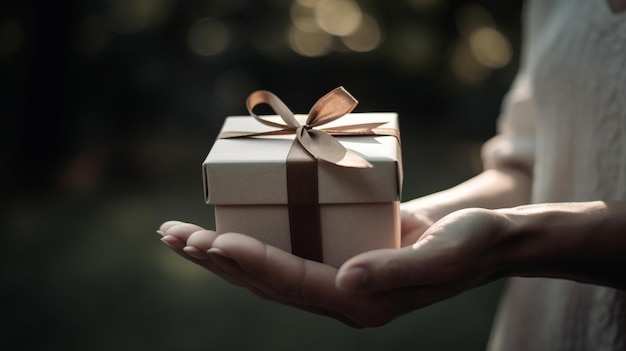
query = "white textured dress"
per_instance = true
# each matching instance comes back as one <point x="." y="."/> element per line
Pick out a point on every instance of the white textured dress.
<point x="565" y="120"/>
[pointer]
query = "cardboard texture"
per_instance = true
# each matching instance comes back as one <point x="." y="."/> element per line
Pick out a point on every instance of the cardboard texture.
<point x="245" y="179"/>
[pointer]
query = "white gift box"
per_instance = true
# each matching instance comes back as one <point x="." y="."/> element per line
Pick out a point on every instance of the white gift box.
<point x="358" y="208"/>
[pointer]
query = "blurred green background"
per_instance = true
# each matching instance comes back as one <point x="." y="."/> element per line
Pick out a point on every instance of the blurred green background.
<point x="109" y="107"/>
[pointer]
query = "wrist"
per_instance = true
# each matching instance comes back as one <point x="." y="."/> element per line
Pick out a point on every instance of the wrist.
<point x="581" y="241"/>
<point x="537" y="238"/>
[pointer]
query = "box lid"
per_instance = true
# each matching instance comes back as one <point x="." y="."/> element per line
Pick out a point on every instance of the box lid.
<point x="247" y="171"/>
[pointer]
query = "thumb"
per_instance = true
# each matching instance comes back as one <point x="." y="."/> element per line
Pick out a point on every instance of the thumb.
<point x="381" y="270"/>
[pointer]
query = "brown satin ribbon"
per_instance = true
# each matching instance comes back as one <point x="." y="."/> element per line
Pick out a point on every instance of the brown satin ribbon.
<point x="303" y="204"/>
<point x="310" y="145"/>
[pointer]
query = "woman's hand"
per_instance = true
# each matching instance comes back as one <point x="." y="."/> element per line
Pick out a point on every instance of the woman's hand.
<point x="440" y="261"/>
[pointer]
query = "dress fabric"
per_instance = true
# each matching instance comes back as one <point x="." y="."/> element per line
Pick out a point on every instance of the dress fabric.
<point x="564" y="120"/>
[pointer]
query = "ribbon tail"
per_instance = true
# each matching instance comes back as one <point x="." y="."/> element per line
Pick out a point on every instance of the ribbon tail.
<point x="357" y="127"/>
<point x="327" y="148"/>
<point x="352" y="160"/>
<point x="235" y="134"/>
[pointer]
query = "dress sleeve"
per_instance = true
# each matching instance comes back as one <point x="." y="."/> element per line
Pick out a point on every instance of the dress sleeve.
<point x="514" y="144"/>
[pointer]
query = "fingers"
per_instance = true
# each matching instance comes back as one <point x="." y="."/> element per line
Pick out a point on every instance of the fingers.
<point x="260" y="268"/>
<point x="190" y="241"/>
<point x="243" y="260"/>
<point x="175" y="233"/>
<point x="301" y="283"/>
<point x="376" y="270"/>
<point x="276" y="275"/>
<point x="426" y="264"/>
<point x="290" y="277"/>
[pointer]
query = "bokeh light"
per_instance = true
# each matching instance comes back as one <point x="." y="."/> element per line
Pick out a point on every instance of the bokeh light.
<point x="481" y="48"/>
<point x="490" y="47"/>
<point x="465" y="66"/>
<point x="338" y="17"/>
<point x="303" y="17"/>
<point x="208" y="37"/>
<point x="330" y="22"/>
<point x="367" y="37"/>
<point x="309" y="44"/>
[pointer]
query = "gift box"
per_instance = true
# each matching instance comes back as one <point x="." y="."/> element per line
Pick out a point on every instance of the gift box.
<point x="325" y="186"/>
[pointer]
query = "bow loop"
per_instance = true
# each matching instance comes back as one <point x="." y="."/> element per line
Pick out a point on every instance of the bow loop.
<point x="331" y="106"/>
<point x="260" y="97"/>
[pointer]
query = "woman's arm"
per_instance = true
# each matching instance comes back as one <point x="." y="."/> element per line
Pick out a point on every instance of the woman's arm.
<point x="582" y="241"/>
<point x="494" y="188"/>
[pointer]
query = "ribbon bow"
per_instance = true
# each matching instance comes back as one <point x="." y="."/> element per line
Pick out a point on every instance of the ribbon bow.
<point x="318" y="142"/>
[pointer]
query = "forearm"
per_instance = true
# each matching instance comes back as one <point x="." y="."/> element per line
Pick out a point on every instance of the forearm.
<point x="583" y="241"/>
<point x="494" y="188"/>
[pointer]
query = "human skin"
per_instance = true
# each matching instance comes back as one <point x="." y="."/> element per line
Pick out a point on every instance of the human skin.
<point x="453" y="241"/>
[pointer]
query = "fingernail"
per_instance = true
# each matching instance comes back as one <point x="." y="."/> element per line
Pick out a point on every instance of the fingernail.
<point x="195" y="252"/>
<point x="160" y="232"/>
<point x="352" y="278"/>
<point x="219" y="252"/>
<point x="173" y="242"/>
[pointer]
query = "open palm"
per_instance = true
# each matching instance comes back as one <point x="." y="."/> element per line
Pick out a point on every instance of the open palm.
<point x="371" y="289"/>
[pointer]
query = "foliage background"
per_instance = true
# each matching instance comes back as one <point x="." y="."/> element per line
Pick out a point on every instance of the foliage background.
<point x="108" y="110"/>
